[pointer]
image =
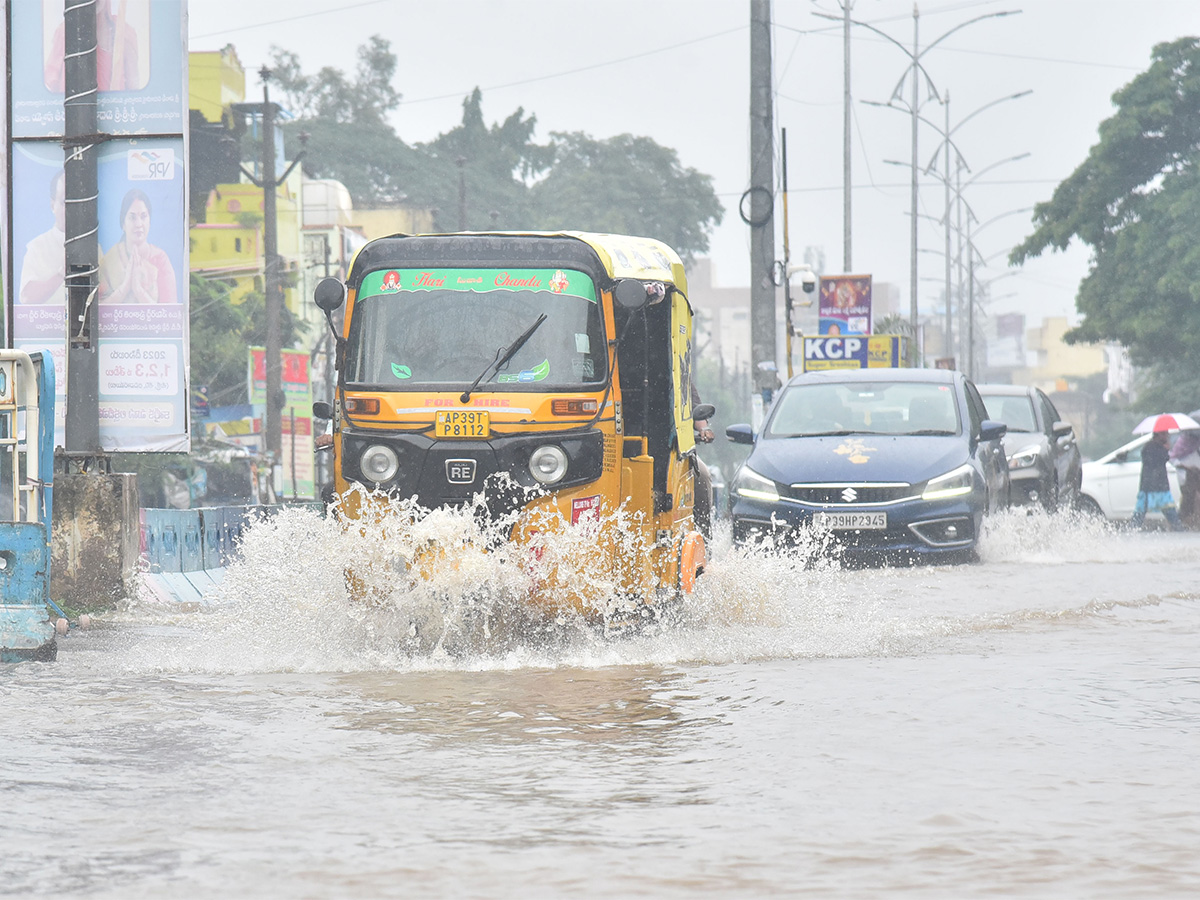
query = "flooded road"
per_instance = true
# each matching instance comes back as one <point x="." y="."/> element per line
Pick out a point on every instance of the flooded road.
<point x="1027" y="726"/>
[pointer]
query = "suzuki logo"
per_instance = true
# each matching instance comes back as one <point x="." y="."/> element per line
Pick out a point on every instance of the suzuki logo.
<point x="849" y="495"/>
<point x="460" y="471"/>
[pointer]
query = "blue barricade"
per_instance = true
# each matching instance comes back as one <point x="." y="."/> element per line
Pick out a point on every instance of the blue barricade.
<point x="191" y="549"/>
<point x="187" y="550"/>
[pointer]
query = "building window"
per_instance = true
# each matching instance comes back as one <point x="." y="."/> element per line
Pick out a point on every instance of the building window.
<point x="237" y="245"/>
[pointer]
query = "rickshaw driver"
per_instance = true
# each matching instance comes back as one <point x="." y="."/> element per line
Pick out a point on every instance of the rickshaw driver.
<point x="702" y="510"/>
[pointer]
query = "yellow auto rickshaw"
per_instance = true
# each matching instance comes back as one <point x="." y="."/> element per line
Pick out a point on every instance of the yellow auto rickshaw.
<point x="543" y="377"/>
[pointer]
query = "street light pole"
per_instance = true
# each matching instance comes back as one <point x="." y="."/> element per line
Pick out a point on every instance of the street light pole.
<point x="912" y="308"/>
<point x="947" y="349"/>
<point x="914" y="56"/>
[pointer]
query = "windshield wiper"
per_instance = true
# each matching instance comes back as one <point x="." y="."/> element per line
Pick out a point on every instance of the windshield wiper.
<point x="928" y="431"/>
<point x="500" y="361"/>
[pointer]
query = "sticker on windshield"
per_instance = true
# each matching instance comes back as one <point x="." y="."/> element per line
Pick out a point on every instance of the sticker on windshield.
<point x="401" y="371"/>
<point x="537" y="373"/>
<point x="583" y="343"/>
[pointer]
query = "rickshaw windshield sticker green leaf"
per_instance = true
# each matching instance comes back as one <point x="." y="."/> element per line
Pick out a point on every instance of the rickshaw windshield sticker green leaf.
<point x="401" y="371"/>
<point x="538" y="373"/>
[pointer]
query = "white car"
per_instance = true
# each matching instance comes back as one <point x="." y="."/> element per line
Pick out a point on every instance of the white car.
<point x="1110" y="483"/>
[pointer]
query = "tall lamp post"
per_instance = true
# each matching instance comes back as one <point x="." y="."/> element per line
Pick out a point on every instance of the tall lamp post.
<point x="914" y="55"/>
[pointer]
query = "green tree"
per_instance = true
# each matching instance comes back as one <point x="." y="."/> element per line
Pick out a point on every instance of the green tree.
<point x="222" y="333"/>
<point x="627" y="185"/>
<point x="495" y="165"/>
<point x="345" y="121"/>
<point x="1134" y="202"/>
<point x="481" y="176"/>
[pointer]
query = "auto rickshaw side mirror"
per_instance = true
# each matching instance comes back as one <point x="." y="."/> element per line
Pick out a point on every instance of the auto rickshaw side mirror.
<point x="740" y="434"/>
<point x="630" y="293"/>
<point x="702" y="411"/>
<point x="329" y="294"/>
<point x="322" y="410"/>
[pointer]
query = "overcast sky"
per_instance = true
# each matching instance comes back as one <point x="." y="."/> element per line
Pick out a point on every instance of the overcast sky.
<point x="678" y="71"/>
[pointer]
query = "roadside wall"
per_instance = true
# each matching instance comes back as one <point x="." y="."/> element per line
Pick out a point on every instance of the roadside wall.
<point x="94" y="539"/>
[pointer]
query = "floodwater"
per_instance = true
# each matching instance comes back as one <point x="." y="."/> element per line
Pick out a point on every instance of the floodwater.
<point x="1028" y="726"/>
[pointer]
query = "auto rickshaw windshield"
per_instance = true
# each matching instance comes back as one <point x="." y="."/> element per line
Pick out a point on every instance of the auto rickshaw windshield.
<point x="447" y="335"/>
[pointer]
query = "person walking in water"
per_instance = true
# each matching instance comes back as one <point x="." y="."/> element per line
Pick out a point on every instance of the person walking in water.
<point x="1154" y="490"/>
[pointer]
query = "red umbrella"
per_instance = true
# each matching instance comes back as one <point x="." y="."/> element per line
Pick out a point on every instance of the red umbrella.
<point x="1166" y="422"/>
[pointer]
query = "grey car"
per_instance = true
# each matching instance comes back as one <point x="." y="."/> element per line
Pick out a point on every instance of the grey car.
<point x="1044" y="464"/>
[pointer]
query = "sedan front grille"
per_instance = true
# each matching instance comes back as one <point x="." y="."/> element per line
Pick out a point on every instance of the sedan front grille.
<point x="852" y="493"/>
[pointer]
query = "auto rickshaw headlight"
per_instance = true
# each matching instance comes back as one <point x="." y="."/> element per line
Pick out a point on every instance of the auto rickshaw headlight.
<point x="379" y="463"/>
<point x="548" y="464"/>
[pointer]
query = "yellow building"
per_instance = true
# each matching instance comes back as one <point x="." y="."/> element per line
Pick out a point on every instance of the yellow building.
<point x="216" y="79"/>
<point x="227" y="240"/>
<point x="1053" y="364"/>
<point x="228" y="245"/>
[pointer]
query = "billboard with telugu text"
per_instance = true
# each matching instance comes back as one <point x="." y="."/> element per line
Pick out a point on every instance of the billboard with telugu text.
<point x="844" y="305"/>
<point x="141" y="293"/>
<point x="139" y="60"/>
<point x="5" y="288"/>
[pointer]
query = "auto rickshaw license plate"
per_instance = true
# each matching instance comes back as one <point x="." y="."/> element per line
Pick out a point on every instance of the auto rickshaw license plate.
<point x="461" y="423"/>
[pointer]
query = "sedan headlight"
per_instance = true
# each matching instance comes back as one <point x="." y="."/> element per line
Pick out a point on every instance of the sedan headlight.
<point x="1023" y="459"/>
<point x="548" y="464"/>
<point x="379" y="463"/>
<point x="752" y="486"/>
<point x="952" y="484"/>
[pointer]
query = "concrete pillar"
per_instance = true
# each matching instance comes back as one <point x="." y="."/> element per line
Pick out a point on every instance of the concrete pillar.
<point x="94" y="540"/>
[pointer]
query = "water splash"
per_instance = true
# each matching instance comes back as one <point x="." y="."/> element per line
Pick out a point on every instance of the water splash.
<point x="287" y="604"/>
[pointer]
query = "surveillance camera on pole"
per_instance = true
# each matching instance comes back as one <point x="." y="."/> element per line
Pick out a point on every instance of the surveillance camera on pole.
<point x="808" y="278"/>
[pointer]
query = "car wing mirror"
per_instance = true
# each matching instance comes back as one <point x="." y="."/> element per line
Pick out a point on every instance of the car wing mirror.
<point x="740" y="434"/>
<point x="1063" y="429"/>
<point x="703" y="411"/>
<point x="1121" y="457"/>
<point x="991" y="430"/>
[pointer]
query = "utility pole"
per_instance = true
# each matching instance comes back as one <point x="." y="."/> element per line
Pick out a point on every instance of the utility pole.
<point x="272" y="264"/>
<point x="762" y="198"/>
<point x="81" y="245"/>
<point x="847" y="266"/>
<point x="273" y="426"/>
<point x="461" y="162"/>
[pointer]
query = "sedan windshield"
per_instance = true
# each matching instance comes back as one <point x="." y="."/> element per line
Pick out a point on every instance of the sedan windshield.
<point x="447" y="326"/>
<point x="1015" y="412"/>
<point x="889" y="407"/>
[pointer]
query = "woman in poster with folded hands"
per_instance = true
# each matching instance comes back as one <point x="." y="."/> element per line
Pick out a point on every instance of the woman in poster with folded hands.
<point x="134" y="270"/>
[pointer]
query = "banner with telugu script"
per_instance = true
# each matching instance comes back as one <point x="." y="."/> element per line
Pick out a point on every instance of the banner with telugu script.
<point x="139" y="67"/>
<point x="141" y="294"/>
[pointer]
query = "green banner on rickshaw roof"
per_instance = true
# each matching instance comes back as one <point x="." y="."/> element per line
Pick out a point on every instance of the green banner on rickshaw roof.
<point x="553" y="281"/>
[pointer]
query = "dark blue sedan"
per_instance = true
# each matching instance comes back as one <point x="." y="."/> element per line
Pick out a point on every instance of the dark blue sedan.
<point x="898" y="462"/>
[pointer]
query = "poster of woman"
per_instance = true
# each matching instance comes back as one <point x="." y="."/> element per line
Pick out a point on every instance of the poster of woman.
<point x="134" y="270"/>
